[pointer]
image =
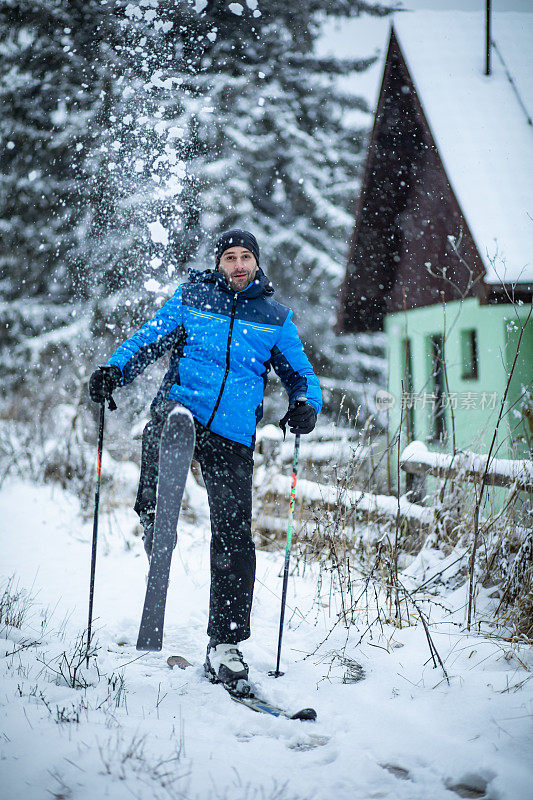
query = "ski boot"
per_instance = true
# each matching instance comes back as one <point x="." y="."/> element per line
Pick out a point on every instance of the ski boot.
<point x="224" y="664"/>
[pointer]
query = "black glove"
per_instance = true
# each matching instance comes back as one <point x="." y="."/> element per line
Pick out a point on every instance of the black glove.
<point x="301" y="417"/>
<point x="103" y="382"/>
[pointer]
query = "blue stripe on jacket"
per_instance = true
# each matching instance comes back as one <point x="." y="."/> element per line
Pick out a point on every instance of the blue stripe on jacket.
<point x="195" y="325"/>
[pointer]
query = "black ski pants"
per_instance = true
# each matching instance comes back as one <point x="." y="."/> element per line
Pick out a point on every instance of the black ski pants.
<point x="227" y="468"/>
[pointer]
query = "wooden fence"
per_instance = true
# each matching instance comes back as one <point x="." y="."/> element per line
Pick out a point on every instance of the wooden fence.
<point x="317" y="500"/>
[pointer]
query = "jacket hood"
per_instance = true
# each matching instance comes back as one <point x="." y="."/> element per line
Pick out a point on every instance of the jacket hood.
<point x="260" y="285"/>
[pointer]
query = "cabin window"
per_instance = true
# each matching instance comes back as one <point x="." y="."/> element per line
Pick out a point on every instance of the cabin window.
<point x="437" y="431"/>
<point x="408" y="398"/>
<point x="469" y="355"/>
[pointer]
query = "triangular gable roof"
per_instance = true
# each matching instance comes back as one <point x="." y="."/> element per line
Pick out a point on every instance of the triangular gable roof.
<point x="480" y="125"/>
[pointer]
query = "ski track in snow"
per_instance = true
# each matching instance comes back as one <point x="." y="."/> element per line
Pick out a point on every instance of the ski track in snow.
<point x="391" y="735"/>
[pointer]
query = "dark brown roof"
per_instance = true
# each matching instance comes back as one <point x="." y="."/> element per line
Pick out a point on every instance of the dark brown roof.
<point x="400" y="255"/>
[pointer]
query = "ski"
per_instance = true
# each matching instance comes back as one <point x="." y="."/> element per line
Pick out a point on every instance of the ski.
<point x="251" y="700"/>
<point x="175" y="455"/>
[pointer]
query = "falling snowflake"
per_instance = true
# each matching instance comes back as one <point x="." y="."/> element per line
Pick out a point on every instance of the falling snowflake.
<point x="158" y="233"/>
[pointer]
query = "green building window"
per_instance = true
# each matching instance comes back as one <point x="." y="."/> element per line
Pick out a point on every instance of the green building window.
<point x="438" y="416"/>
<point x="469" y="357"/>
<point x="408" y="389"/>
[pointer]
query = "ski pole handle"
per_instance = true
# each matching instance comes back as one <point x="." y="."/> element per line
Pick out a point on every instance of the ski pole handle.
<point x="110" y="402"/>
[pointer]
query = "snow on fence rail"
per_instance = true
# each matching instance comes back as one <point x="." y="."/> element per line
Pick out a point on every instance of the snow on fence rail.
<point x="274" y="491"/>
<point x="416" y="459"/>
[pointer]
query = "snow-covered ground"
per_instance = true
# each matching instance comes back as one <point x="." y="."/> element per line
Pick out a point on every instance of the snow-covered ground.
<point x="141" y="730"/>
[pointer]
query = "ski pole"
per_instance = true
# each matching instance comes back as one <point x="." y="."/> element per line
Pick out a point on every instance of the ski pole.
<point x="276" y="673"/>
<point x="112" y="407"/>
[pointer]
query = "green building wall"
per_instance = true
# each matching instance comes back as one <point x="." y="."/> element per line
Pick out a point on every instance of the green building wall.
<point x="475" y="397"/>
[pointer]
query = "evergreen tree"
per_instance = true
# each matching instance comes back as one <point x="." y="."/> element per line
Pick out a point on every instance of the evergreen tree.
<point x="75" y="196"/>
<point x="136" y="131"/>
<point x="50" y="90"/>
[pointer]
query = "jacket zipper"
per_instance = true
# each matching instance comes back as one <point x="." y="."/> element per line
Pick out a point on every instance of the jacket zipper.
<point x="228" y="346"/>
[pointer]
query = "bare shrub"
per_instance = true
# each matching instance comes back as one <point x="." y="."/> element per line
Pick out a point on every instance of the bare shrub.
<point x="73" y="667"/>
<point x="516" y="603"/>
<point x="14" y="605"/>
<point x="364" y="564"/>
<point x="123" y="757"/>
<point x="116" y="691"/>
<point x="44" y="442"/>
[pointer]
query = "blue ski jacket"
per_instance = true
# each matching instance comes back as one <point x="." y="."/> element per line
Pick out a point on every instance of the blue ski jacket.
<point x="222" y="344"/>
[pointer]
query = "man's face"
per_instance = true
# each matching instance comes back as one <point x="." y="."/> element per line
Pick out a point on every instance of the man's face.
<point x="239" y="267"/>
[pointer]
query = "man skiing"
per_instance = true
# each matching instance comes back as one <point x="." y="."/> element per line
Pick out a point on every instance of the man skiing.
<point x="224" y="332"/>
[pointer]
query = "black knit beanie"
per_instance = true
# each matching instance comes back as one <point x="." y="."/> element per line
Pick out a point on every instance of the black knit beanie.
<point x="236" y="238"/>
